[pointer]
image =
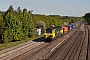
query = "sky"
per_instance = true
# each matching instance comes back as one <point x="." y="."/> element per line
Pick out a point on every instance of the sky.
<point x="50" y="7"/>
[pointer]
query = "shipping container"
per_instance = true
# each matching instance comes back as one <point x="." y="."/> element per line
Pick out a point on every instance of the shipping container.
<point x="37" y="31"/>
<point x="65" y="28"/>
<point x="73" y="25"/>
<point x="69" y="27"/>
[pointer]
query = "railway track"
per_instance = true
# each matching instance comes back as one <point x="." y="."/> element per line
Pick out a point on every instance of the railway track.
<point x="88" y="55"/>
<point x="29" y="52"/>
<point x="75" y="48"/>
<point x="79" y="50"/>
<point x="83" y="50"/>
<point x="61" y="51"/>
<point x="19" y="49"/>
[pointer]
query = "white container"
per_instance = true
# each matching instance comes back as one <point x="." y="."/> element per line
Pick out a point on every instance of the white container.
<point x="37" y="32"/>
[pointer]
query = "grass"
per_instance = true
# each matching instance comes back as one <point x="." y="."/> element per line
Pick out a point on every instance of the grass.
<point x="11" y="44"/>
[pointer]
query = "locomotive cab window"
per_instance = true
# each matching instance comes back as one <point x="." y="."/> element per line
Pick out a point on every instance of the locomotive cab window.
<point x="48" y="30"/>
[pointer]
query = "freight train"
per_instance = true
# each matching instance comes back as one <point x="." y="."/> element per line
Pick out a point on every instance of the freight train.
<point x="54" y="32"/>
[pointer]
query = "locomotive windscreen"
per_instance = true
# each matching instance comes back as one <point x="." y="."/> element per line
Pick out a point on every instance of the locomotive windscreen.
<point x="49" y="30"/>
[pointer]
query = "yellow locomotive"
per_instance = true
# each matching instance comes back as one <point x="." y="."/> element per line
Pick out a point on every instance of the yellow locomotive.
<point x="53" y="33"/>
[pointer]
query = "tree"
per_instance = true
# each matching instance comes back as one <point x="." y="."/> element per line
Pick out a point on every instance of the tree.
<point x="1" y="28"/>
<point x="10" y="9"/>
<point x="87" y="17"/>
<point x="41" y="24"/>
<point x="31" y="26"/>
<point x="28" y="26"/>
<point x="5" y="37"/>
<point x="20" y="18"/>
<point x="12" y="25"/>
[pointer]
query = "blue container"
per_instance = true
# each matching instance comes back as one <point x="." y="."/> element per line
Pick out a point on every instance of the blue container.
<point x="73" y="25"/>
<point x="69" y="27"/>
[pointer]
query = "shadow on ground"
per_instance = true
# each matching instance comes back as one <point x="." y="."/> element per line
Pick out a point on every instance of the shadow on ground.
<point x="41" y="39"/>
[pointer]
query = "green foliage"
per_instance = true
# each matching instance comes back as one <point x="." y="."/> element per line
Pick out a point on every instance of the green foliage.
<point x="41" y="24"/>
<point x="87" y="17"/>
<point x="48" y="20"/>
<point x="13" y="25"/>
<point x="1" y="24"/>
<point x="28" y="25"/>
<point x="1" y="28"/>
<point x="5" y="37"/>
<point x="18" y="24"/>
<point x="55" y="20"/>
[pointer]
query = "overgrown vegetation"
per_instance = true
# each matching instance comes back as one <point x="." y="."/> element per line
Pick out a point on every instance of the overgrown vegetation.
<point x="55" y="20"/>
